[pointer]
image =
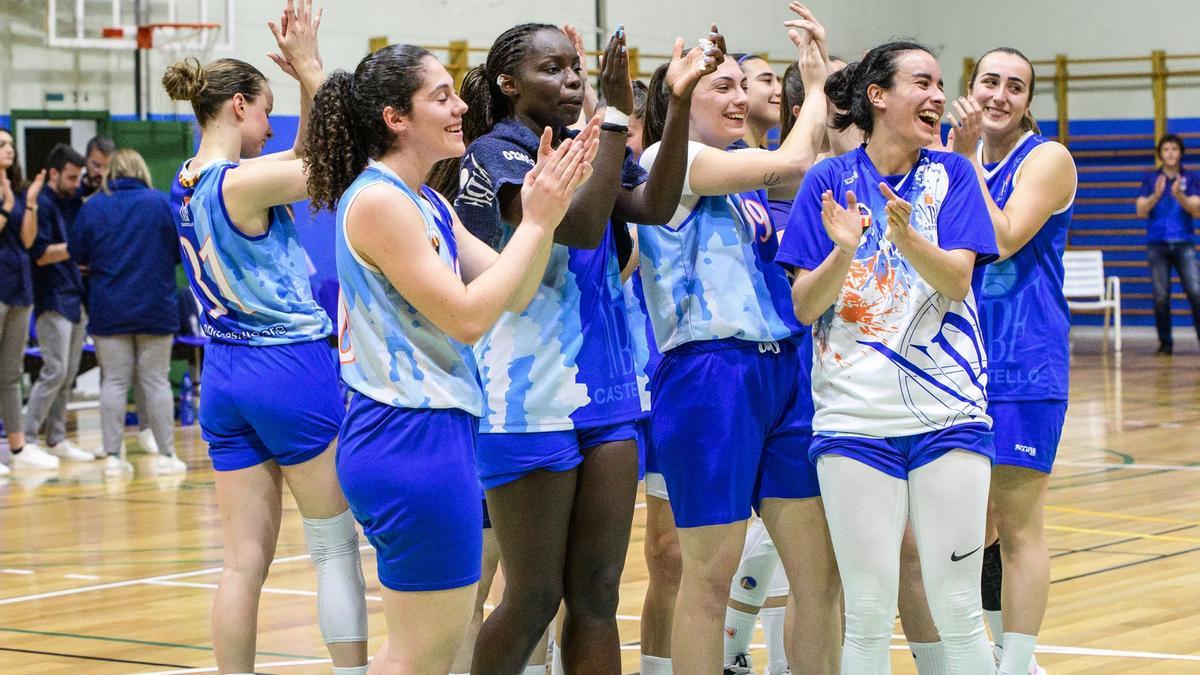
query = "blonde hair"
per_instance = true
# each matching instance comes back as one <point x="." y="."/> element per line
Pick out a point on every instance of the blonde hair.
<point x="127" y="163"/>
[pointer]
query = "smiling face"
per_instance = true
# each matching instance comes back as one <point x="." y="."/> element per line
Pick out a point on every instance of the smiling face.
<point x="763" y="91"/>
<point x="255" y="123"/>
<point x="434" y="122"/>
<point x="911" y="110"/>
<point x="547" y="85"/>
<point x="1002" y="89"/>
<point x="1171" y="155"/>
<point x="8" y="151"/>
<point x="718" y="115"/>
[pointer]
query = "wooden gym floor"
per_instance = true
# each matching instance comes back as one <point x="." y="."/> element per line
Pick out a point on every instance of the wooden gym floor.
<point x="103" y="576"/>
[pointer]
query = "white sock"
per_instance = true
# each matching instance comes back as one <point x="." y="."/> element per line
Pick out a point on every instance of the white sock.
<point x="355" y="670"/>
<point x="772" y="622"/>
<point x="995" y="626"/>
<point x="1018" y="651"/>
<point x="539" y="669"/>
<point x="655" y="665"/>
<point x="930" y="658"/>
<point x="556" y="660"/>
<point x="739" y="629"/>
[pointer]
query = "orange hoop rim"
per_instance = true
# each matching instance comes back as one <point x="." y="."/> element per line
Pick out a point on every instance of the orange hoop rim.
<point x="145" y="32"/>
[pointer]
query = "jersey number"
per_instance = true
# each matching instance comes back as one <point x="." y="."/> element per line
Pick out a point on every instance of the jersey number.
<point x="208" y="254"/>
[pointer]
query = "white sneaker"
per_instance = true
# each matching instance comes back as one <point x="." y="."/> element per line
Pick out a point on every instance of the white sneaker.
<point x="33" y="457"/>
<point x="115" y="466"/>
<point x="4" y="470"/>
<point x="69" y="451"/>
<point x="145" y="438"/>
<point x="1034" y="668"/>
<point x="164" y="464"/>
<point x="97" y="452"/>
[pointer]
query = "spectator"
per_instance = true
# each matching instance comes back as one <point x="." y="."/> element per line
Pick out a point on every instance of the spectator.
<point x="57" y="309"/>
<point x="98" y="154"/>
<point x="1169" y="200"/>
<point x="16" y="301"/>
<point x="128" y="245"/>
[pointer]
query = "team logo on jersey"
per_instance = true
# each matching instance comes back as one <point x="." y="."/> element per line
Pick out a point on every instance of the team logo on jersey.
<point x="758" y="218"/>
<point x="864" y="216"/>
<point x="185" y="212"/>
<point x="748" y="583"/>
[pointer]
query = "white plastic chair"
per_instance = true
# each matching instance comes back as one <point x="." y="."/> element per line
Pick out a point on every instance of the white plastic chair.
<point x="1087" y="289"/>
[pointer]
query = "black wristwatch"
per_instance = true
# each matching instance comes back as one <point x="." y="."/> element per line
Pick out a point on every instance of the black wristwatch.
<point x="613" y="126"/>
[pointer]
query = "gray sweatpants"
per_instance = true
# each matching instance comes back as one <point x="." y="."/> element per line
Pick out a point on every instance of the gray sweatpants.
<point x="60" y="340"/>
<point x="14" y="335"/>
<point x="148" y="358"/>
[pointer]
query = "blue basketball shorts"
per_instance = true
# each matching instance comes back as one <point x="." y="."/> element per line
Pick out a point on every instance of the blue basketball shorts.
<point x="409" y="476"/>
<point x="1027" y="432"/>
<point x="504" y="458"/>
<point x="278" y="402"/>
<point x="731" y="427"/>
<point x="898" y="455"/>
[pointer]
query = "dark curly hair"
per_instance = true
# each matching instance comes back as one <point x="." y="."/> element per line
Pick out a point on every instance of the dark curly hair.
<point x="346" y="127"/>
<point x="847" y="88"/>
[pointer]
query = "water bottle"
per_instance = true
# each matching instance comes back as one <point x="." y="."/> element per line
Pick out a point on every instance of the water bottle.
<point x="187" y="411"/>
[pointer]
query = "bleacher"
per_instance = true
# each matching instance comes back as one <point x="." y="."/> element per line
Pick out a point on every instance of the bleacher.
<point x="1113" y="156"/>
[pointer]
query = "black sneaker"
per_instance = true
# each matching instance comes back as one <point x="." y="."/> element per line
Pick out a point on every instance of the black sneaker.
<point x="742" y="665"/>
<point x="1164" y="349"/>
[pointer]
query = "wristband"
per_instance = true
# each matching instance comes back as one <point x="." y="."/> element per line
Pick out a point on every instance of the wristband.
<point x="614" y="116"/>
<point x="617" y="128"/>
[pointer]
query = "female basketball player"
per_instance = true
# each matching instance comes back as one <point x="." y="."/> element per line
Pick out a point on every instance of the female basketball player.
<point x="1031" y="190"/>
<point x="556" y="451"/>
<point x="898" y="368"/>
<point x="763" y="93"/>
<point x="407" y="319"/>
<point x="722" y="320"/>
<point x="271" y="406"/>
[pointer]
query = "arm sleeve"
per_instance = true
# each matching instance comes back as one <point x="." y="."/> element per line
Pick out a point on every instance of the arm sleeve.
<point x="963" y="221"/>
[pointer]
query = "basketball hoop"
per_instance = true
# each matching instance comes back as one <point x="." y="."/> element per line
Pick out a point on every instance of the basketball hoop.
<point x="172" y="36"/>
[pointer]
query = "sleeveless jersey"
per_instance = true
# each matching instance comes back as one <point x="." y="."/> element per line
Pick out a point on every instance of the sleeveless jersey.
<point x="252" y="290"/>
<point x="709" y="273"/>
<point x="389" y="351"/>
<point x="566" y="361"/>
<point x="1025" y="316"/>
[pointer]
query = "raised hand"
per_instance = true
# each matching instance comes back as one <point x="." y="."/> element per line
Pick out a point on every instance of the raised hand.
<point x="899" y="214"/>
<point x="7" y="198"/>
<point x="589" y="92"/>
<point x="1177" y="189"/>
<point x="35" y="187"/>
<point x="843" y="225"/>
<point x="296" y="37"/>
<point x="685" y="71"/>
<point x="965" y="127"/>
<point x="813" y="62"/>
<point x="551" y="183"/>
<point x="614" y="73"/>
<point x="808" y="23"/>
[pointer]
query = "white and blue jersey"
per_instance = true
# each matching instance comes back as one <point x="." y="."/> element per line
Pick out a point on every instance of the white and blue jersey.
<point x="253" y="290"/>
<point x="389" y="351"/>
<point x="566" y="362"/>
<point x="892" y="356"/>
<point x="645" y="352"/>
<point x="1025" y="315"/>
<point x="709" y="273"/>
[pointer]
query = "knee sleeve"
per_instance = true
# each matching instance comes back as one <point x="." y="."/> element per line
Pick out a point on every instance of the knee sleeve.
<point x="993" y="572"/>
<point x="341" y="590"/>
<point x="758" y="565"/>
<point x="779" y="586"/>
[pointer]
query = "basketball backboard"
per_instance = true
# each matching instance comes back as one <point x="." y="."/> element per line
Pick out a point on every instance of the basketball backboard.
<point x="113" y="24"/>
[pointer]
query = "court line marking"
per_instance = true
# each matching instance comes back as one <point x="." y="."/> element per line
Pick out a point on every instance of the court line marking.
<point x="257" y="666"/>
<point x="83" y="577"/>
<point x="1117" y="533"/>
<point x="278" y="591"/>
<point x="1134" y="466"/>
<point x="1122" y="516"/>
<point x="12" y="571"/>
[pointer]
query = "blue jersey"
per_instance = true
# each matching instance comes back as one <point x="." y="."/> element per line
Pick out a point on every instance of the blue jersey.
<point x="709" y="273"/>
<point x="253" y="290"/>
<point x="1168" y="221"/>
<point x="1025" y="316"/>
<point x="645" y="353"/>
<point x="565" y="362"/>
<point x="892" y="356"/>
<point x="389" y="351"/>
